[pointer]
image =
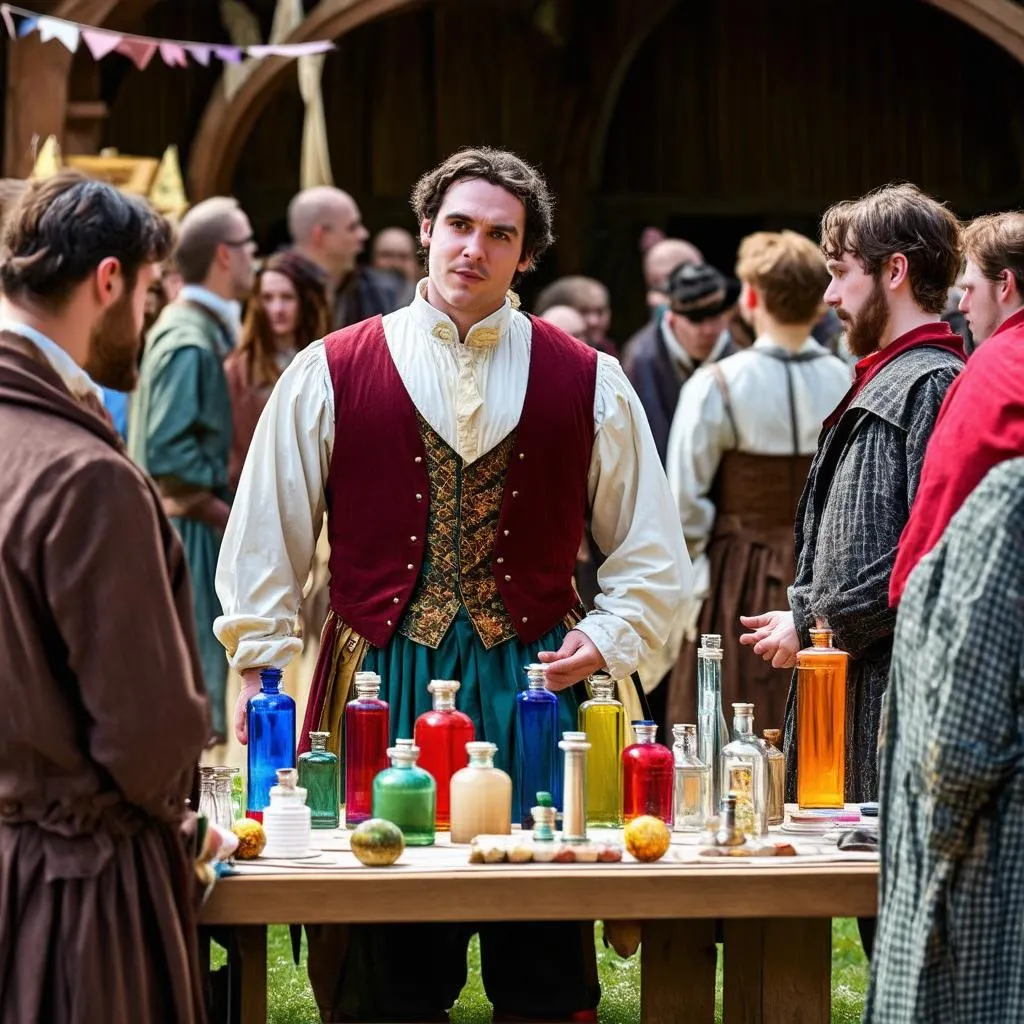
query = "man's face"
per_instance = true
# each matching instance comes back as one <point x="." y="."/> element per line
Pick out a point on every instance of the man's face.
<point x="596" y="312"/>
<point x="396" y="251"/>
<point x="241" y="245"/>
<point x="980" y="302"/>
<point x="116" y="337"/>
<point x="697" y="337"/>
<point x="475" y="249"/>
<point x="342" y="235"/>
<point x="861" y="303"/>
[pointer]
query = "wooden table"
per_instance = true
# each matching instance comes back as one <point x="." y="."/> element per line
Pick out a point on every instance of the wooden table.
<point x="776" y="921"/>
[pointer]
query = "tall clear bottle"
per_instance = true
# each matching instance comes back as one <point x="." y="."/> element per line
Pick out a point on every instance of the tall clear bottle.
<point x="366" y="746"/>
<point x="712" y="732"/>
<point x="776" y="776"/>
<point x="691" y="793"/>
<point x="481" y="796"/>
<point x="318" y="775"/>
<point x="603" y="719"/>
<point x="648" y="770"/>
<point x="574" y="783"/>
<point x="442" y="735"/>
<point x="821" y="722"/>
<point x="744" y="771"/>
<point x="270" y="718"/>
<point x="538" y="764"/>
<point x="405" y="795"/>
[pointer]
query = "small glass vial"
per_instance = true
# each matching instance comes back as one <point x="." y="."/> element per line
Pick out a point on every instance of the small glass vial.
<point x="821" y="722"/>
<point x="648" y="769"/>
<point x="712" y="732"/>
<point x="692" y="788"/>
<point x="481" y="796"/>
<point x="366" y="746"/>
<point x="603" y="719"/>
<point x="271" y="723"/>
<point x="574" y="793"/>
<point x="744" y="772"/>
<point x="538" y="765"/>
<point x="776" y="776"/>
<point x="544" y="819"/>
<point x="406" y="795"/>
<point x="318" y="773"/>
<point x="442" y="735"/>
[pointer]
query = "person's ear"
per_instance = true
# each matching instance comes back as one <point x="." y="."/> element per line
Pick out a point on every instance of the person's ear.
<point x="109" y="281"/>
<point x="425" y="233"/>
<point x="897" y="270"/>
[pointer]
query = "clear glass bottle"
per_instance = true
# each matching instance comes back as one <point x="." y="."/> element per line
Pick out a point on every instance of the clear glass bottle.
<point x="538" y="765"/>
<point x="318" y="775"/>
<point x="776" y="776"/>
<point x="744" y="772"/>
<point x="712" y="732"/>
<point x="207" y="794"/>
<point x="223" y="777"/>
<point x="271" y="723"/>
<point x="691" y="792"/>
<point x="574" y="786"/>
<point x="481" y="796"/>
<point x="367" y="723"/>
<point x="442" y="735"/>
<point x="603" y="719"/>
<point x="821" y="722"/>
<point x="648" y="769"/>
<point x="406" y="795"/>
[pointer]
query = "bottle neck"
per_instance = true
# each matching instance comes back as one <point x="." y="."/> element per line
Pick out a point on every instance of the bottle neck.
<point x="481" y="760"/>
<point x="318" y="744"/>
<point x="270" y="680"/>
<point x="366" y="691"/>
<point x="444" y="701"/>
<point x="645" y="733"/>
<point x="604" y="691"/>
<point x="743" y="726"/>
<point x="821" y="637"/>
<point x="686" y="738"/>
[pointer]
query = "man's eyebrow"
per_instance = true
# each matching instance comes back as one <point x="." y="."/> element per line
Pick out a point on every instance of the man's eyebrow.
<point x="509" y="229"/>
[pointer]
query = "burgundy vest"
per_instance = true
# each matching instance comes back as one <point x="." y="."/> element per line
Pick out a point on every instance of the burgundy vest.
<point x="378" y="491"/>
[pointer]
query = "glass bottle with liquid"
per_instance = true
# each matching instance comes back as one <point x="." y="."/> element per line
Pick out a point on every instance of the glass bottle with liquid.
<point x="442" y="735"/>
<point x="648" y="769"/>
<point x="405" y="795"/>
<point x="821" y="722"/>
<point x="603" y="719"/>
<point x="691" y="793"/>
<point x="776" y="776"/>
<point x="481" y="796"/>
<point x="712" y="732"/>
<point x="366" y="746"/>
<point x="270" y="718"/>
<point x="744" y="772"/>
<point x="538" y="764"/>
<point x="318" y="775"/>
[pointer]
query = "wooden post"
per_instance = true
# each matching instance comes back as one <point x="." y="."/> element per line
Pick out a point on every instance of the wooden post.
<point x="677" y="972"/>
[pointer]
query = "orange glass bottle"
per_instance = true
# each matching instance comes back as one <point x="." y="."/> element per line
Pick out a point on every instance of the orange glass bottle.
<point x="821" y="722"/>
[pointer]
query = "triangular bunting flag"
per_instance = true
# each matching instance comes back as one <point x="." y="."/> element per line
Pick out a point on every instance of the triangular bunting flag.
<point x="99" y="42"/>
<point x="138" y="50"/>
<point x="63" y="31"/>
<point x="290" y="49"/>
<point x="200" y="53"/>
<point x="228" y="54"/>
<point x="48" y="162"/>
<point x="27" y="27"/>
<point x="12" y="31"/>
<point x="173" y="55"/>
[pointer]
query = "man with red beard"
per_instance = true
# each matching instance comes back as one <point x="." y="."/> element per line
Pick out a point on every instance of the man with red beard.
<point x="892" y="256"/>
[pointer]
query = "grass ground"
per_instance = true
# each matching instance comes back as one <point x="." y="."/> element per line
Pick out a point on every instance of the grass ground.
<point x="291" y="1001"/>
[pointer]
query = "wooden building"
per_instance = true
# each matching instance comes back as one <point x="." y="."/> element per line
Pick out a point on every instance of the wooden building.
<point x="708" y="120"/>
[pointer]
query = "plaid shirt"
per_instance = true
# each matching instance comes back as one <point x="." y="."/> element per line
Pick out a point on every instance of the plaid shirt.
<point x="950" y="944"/>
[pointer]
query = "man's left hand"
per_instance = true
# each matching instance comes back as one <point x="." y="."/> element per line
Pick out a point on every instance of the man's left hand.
<point x="576" y="659"/>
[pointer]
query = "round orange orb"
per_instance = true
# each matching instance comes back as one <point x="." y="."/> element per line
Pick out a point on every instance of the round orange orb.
<point x="647" y="838"/>
<point x="251" y="838"/>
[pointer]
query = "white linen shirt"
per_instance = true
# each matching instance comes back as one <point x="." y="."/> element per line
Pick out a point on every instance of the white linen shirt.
<point x="472" y="394"/>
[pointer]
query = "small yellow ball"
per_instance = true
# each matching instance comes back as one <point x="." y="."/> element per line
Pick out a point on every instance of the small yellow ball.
<point x="647" y="838"/>
<point x="251" y="838"/>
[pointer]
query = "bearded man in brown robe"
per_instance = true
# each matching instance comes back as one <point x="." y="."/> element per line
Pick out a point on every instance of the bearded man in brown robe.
<point x="104" y="709"/>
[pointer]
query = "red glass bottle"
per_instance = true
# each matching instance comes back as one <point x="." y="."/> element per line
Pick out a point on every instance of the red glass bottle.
<point x="366" y="746"/>
<point x="442" y="735"/>
<point x="648" y="769"/>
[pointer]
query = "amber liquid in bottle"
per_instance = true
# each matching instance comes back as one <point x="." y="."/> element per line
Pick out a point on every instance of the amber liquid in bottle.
<point x="821" y="723"/>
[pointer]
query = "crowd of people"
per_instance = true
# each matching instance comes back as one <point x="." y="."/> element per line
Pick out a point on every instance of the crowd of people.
<point x="800" y="439"/>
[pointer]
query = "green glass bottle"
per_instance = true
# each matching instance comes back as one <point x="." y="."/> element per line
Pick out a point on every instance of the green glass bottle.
<point x="406" y="795"/>
<point x="318" y="775"/>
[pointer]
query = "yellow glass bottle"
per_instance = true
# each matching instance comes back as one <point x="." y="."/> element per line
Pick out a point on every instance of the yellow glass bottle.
<point x="603" y="719"/>
<point x="821" y="722"/>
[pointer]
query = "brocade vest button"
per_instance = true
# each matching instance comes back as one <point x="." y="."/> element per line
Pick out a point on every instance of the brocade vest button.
<point x="501" y="561"/>
<point x="390" y="623"/>
<point x="413" y="539"/>
<point x="526" y="618"/>
<point x="418" y="459"/>
<point x="419" y="497"/>
<point x="521" y="455"/>
<point x="505" y="532"/>
<point x="395" y="600"/>
<point x="515" y="494"/>
<point x="508" y="579"/>
<point x="410" y="567"/>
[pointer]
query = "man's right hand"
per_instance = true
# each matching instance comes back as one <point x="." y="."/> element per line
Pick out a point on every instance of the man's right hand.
<point x="250" y="687"/>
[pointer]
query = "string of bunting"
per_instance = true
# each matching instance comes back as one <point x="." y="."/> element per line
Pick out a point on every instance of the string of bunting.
<point x="101" y="42"/>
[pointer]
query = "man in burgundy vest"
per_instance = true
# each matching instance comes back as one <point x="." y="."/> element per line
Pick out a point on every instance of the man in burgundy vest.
<point x="458" y="448"/>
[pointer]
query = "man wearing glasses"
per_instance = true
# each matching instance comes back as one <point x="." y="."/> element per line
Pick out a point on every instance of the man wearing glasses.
<point x="180" y="423"/>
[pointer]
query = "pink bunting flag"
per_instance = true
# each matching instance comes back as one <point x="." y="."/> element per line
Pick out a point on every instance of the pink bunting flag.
<point x="291" y="49"/>
<point x="200" y="53"/>
<point x="100" y="43"/>
<point x="140" y="51"/>
<point x="173" y="55"/>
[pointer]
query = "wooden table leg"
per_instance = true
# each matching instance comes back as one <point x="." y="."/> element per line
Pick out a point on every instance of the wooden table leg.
<point x="252" y="952"/>
<point x="778" y="971"/>
<point x="677" y="972"/>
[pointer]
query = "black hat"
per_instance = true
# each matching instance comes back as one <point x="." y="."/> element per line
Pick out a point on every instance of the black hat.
<point x="698" y="291"/>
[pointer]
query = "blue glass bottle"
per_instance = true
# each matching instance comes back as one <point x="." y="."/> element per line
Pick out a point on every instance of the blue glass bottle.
<point x="271" y="722"/>
<point x="538" y="762"/>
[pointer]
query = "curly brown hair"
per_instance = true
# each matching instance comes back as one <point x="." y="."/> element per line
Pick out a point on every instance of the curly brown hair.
<point x="501" y="168"/>
<point x="995" y="243"/>
<point x="899" y="219"/>
<point x="256" y="347"/>
<point x="789" y="272"/>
